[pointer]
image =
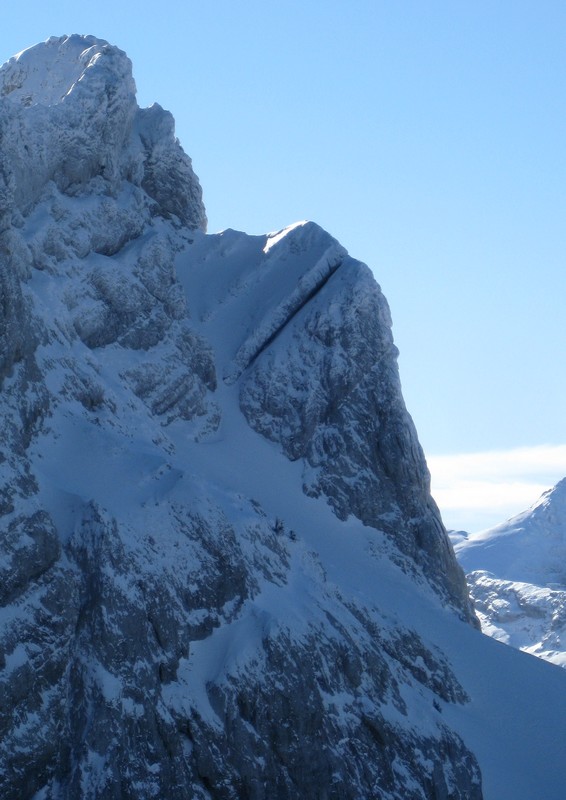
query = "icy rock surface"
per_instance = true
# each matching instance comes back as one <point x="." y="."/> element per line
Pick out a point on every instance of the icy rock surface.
<point x="221" y="573"/>
<point x="68" y="114"/>
<point x="517" y="577"/>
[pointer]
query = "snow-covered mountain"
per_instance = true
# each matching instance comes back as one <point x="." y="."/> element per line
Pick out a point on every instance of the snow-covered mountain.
<point x="517" y="577"/>
<point x="222" y="573"/>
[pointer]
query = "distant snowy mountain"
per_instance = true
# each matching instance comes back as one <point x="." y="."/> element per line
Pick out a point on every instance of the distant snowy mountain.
<point x="222" y="574"/>
<point x="517" y="577"/>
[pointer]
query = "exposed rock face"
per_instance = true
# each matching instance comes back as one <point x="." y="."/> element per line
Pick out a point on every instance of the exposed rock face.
<point x="328" y="390"/>
<point x="69" y="115"/>
<point x="178" y="617"/>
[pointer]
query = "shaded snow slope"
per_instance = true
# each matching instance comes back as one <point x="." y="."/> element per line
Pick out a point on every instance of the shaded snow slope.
<point x="517" y="577"/>
<point x="221" y="572"/>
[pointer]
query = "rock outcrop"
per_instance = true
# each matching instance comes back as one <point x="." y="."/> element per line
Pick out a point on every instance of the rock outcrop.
<point x="70" y="118"/>
<point x="223" y="575"/>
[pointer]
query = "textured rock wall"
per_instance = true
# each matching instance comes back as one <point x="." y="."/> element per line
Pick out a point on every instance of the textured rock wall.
<point x="327" y="388"/>
<point x="69" y="115"/>
<point x="105" y="707"/>
<point x="162" y="633"/>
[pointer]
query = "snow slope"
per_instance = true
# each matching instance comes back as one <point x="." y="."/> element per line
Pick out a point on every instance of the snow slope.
<point x="517" y="577"/>
<point x="221" y="571"/>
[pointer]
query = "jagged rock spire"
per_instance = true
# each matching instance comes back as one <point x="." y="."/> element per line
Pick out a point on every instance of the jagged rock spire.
<point x="69" y="116"/>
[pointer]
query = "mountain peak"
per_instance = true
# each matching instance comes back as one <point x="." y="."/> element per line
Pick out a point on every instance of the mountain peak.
<point x="222" y="574"/>
<point x="70" y="118"/>
<point x="530" y="547"/>
<point x="554" y="497"/>
<point x="517" y="577"/>
<point x="49" y="72"/>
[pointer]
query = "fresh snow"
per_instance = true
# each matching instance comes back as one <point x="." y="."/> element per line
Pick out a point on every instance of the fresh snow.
<point x="107" y="454"/>
<point x="530" y="547"/>
<point x="517" y="576"/>
<point x="515" y="722"/>
<point x="36" y="77"/>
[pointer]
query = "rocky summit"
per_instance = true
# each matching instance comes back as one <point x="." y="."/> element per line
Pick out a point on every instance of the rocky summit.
<point x="222" y="572"/>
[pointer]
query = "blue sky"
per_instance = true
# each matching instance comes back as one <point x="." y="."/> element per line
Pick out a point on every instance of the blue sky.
<point x="429" y="138"/>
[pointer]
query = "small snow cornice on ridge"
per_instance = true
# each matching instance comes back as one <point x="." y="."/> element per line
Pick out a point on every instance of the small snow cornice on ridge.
<point x="69" y="116"/>
<point x="275" y="237"/>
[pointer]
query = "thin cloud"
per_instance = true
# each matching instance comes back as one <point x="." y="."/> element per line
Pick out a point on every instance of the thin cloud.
<point x="478" y="490"/>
